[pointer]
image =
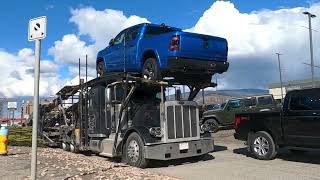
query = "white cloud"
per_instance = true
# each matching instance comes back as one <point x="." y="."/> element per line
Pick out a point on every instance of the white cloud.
<point x="17" y="74"/>
<point x="70" y="49"/>
<point x="255" y="37"/>
<point x="100" y="26"/>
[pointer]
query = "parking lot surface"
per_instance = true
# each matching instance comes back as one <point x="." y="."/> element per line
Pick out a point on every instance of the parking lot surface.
<point x="230" y="161"/>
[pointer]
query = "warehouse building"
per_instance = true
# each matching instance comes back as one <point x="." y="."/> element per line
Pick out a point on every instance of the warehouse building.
<point x="275" y="88"/>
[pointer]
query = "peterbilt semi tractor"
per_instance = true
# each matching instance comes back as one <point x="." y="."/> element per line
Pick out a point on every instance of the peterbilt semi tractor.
<point x="133" y="118"/>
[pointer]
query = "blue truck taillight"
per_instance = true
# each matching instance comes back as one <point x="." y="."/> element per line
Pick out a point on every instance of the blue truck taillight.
<point x="175" y="43"/>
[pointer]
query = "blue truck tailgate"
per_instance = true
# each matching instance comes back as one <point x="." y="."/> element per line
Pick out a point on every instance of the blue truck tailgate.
<point x="201" y="46"/>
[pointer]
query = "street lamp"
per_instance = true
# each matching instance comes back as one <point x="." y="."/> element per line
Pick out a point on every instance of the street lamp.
<point x="281" y="86"/>
<point x="311" y="45"/>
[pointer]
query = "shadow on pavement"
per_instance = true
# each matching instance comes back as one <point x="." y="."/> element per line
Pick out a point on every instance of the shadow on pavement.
<point x="311" y="156"/>
<point x="218" y="148"/>
<point x="178" y="162"/>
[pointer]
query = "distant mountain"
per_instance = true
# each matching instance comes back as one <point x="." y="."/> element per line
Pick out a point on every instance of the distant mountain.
<point x="221" y="96"/>
<point x="239" y="92"/>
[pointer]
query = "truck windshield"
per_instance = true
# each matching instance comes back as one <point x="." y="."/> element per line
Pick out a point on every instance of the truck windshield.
<point x="265" y="100"/>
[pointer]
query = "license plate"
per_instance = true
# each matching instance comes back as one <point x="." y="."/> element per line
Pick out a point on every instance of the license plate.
<point x="183" y="146"/>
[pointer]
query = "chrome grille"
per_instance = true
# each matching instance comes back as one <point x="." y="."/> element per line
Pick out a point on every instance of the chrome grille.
<point x="182" y="120"/>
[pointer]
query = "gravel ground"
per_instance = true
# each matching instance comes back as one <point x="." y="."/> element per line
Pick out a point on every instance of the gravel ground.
<point x="229" y="161"/>
<point x="58" y="164"/>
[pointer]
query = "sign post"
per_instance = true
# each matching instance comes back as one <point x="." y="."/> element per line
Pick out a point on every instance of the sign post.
<point x="37" y="31"/>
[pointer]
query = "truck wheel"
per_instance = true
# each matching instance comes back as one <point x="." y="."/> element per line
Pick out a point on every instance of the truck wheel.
<point x="263" y="146"/>
<point x="214" y="123"/>
<point x="73" y="148"/>
<point x="134" y="152"/>
<point x="151" y="69"/>
<point x="101" y="69"/>
<point x="65" y="146"/>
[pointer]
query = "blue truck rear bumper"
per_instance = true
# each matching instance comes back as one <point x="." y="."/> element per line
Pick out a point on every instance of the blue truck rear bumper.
<point x="191" y="66"/>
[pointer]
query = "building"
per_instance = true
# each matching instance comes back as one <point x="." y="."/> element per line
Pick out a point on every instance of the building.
<point x="27" y="109"/>
<point x="275" y="88"/>
<point x="12" y="122"/>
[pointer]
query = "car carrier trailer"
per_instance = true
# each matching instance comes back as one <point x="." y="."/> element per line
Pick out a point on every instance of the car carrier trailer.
<point x="130" y="117"/>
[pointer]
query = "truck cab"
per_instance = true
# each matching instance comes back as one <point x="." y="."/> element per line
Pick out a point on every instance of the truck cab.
<point x="295" y="126"/>
<point x="135" y="121"/>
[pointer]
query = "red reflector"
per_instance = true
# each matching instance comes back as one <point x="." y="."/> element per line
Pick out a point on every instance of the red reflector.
<point x="237" y="122"/>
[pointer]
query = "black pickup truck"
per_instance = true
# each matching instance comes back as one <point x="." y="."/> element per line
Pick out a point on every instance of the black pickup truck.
<point x="296" y="125"/>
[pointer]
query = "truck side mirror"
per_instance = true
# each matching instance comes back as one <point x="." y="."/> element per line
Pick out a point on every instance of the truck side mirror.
<point x="228" y="108"/>
<point x="111" y="42"/>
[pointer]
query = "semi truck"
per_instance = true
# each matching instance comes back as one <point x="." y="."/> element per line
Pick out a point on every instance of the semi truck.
<point x="132" y="118"/>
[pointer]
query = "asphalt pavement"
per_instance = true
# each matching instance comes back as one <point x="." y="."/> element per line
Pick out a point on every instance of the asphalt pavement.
<point x="231" y="161"/>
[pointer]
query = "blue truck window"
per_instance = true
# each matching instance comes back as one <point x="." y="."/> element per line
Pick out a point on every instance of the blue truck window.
<point x="132" y="33"/>
<point x="152" y="31"/>
<point x="119" y="38"/>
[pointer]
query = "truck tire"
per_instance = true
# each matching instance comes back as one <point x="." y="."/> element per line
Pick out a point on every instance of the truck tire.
<point x="262" y="146"/>
<point x="134" y="152"/>
<point x="212" y="122"/>
<point x="151" y="69"/>
<point x="101" y="71"/>
<point x="65" y="146"/>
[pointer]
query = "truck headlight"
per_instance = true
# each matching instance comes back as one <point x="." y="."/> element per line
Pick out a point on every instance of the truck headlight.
<point x="155" y="131"/>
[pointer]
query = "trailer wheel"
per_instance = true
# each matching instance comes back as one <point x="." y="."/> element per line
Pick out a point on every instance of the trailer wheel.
<point x="65" y="146"/>
<point x="262" y="146"/>
<point x="101" y="69"/>
<point x="134" y="152"/>
<point x="73" y="148"/>
<point x="151" y="69"/>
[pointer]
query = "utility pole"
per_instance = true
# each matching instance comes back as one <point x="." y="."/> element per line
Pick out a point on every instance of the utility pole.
<point x="280" y="74"/>
<point x="311" y="45"/>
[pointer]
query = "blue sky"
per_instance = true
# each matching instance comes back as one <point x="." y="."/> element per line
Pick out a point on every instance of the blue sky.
<point x="180" y="13"/>
<point x="255" y="30"/>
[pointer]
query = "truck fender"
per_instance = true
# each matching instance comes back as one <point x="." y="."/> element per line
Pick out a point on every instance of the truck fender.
<point x="211" y="117"/>
<point x="143" y="133"/>
<point x="249" y="139"/>
<point x="147" y="53"/>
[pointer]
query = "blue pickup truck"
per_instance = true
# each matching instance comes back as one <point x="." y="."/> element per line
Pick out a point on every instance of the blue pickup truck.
<point x="158" y="51"/>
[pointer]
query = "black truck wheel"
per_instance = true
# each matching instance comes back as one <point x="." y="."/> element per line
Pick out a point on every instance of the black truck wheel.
<point x="262" y="146"/>
<point x="151" y="69"/>
<point x="101" y="69"/>
<point x="134" y="152"/>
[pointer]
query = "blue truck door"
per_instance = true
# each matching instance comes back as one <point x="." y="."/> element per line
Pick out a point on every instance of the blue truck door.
<point x="301" y="122"/>
<point x="131" y="45"/>
<point x="115" y="60"/>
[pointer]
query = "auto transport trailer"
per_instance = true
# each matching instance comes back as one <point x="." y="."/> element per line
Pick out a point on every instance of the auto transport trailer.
<point x="130" y="117"/>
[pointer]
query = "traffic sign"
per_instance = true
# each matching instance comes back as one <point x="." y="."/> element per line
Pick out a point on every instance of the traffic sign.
<point x="37" y="28"/>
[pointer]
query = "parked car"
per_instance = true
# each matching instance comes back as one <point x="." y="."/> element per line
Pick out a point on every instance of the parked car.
<point x="225" y="116"/>
<point x="157" y="51"/>
<point x="296" y="125"/>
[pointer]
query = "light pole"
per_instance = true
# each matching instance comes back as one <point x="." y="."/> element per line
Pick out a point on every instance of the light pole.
<point x="311" y="45"/>
<point x="281" y="87"/>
